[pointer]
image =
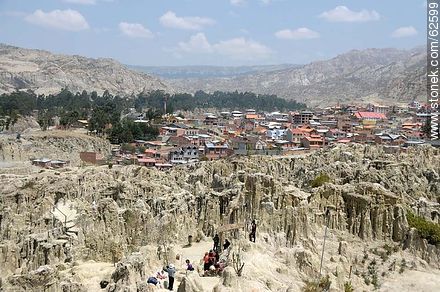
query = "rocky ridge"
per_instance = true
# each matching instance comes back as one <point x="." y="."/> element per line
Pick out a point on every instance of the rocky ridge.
<point x="359" y="76"/>
<point x="46" y="73"/>
<point x="121" y="214"/>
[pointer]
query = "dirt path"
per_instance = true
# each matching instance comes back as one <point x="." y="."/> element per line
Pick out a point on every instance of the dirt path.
<point x="195" y="254"/>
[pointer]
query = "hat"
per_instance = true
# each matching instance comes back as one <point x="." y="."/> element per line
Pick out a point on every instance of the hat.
<point x="171" y="266"/>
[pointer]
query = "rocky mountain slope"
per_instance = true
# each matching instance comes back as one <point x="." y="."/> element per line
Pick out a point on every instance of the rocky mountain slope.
<point x="359" y="76"/>
<point x="46" y="73"/>
<point x="176" y="72"/>
<point x="132" y="214"/>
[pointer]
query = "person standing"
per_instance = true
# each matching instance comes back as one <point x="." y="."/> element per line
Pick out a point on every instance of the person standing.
<point x="216" y="240"/>
<point x="171" y="270"/>
<point x="253" y="233"/>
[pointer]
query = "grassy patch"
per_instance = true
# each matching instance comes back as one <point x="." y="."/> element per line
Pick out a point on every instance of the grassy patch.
<point x="320" y="180"/>
<point x="427" y="229"/>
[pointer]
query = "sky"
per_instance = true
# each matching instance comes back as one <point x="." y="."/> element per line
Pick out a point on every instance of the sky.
<point x="211" y="32"/>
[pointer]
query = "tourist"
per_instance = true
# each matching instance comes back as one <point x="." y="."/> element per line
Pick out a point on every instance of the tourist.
<point x="171" y="270"/>
<point x="189" y="266"/>
<point x="253" y="231"/>
<point x="226" y="244"/>
<point x="206" y="262"/>
<point x="216" y="240"/>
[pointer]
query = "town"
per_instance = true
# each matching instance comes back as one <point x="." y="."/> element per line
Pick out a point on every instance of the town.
<point x="190" y="137"/>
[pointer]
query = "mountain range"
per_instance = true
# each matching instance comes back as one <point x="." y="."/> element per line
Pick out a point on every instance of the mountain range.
<point x="359" y="76"/>
<point x="371" y="75"/>
<point x="45" y="73"/>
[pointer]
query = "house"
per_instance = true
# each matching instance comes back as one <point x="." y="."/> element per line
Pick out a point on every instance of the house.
<point x="91" y="157"/>
<point x="148" y="162"/>
<point x="312" y="142"/>
<point x="335" y="134"/>
<point x="177" y="141"/>
<point x="216" y="150"/>
<point x="390" y="139"/>
<point x="370" y="116"/>
<point x="49" y="163"/>
<point x="150" y="153"/>
<point x="276" y="134"/>
<point x="171" y="131"/>
<point x="247" y="145"/>
<point x="295" y="135"/>
<point x="184" y="154"/>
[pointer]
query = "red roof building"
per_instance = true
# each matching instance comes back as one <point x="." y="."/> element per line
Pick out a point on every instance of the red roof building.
<point x="370" y="116"/>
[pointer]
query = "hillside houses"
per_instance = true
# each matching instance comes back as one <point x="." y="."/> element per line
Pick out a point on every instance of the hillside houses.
<point x="216" y="135"/>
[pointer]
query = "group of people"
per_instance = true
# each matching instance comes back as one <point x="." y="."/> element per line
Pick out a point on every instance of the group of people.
<point x="212" y="264"/>
<point x="170" y="273"/>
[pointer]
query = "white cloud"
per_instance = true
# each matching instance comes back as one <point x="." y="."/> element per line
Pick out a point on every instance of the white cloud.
<point x="83" y="2"/>
<point x="68" y="19"/>
<point x="297" y="34"/>
<point x="135" y="30"/>
<point x="266" y="2"/>
<point x="404" y="31"/>
<point x="238" y="2"/>
<point x="170" y="19"/>
<point x="344" y="14"/>
<point x="241" y="48"/>
<point x="197" y="43"/>
<point x="236" y="48"/>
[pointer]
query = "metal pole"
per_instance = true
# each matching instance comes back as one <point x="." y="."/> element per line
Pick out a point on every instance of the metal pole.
<point x="327" y="213"/>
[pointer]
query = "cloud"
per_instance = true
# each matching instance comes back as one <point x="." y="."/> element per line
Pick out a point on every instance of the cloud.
<point x="237" y="2"/>
<point x="135" y="30"/>
<point x="404" y="31"/>
<point x="236" y="48"/>
<point x="266" y="2"/>
<point x="83" y="2"/>
<point x="197" y="43"/>
<point x="344" y="14"/>
<point x="170" y="19"/>
<point x="68" y="19"/>
<point x="297" y="34"/>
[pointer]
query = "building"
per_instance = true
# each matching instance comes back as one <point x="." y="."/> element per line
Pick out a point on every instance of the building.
<point x="216" y="150"/>
<point x="295" y="135"/>
<point x="370" y="116"/>
<point x="184" y="154"/>
<point x="91" y="157"/>
<point x="302" y="118"/>
<point x="247" y="145"/>
<point x="312" y="142"/>
<point x="49" y="163"/>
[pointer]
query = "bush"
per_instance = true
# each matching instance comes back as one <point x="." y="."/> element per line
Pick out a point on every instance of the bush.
<point x="320" y="180"/>
<point x="427" y="229"/>
<point x="318" y="286"/>
<point x="348" y="287"/>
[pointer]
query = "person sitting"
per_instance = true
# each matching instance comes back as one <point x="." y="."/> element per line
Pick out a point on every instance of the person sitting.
<point x="212" y="257"/>
<point x="153" y="280"/>
<point x="189" y="266"/>
<point x="161" y="275"/>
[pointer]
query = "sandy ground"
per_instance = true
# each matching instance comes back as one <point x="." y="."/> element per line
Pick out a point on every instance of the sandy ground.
<point x="413" y="281"/>
<point x="195" y="254"/>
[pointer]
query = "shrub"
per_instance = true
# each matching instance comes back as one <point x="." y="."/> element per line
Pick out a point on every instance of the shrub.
<point x="320" y="180"/>
<point x="348" y="287"/>
<point x="318" y="286"/>
<point x="427" y="229"/>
